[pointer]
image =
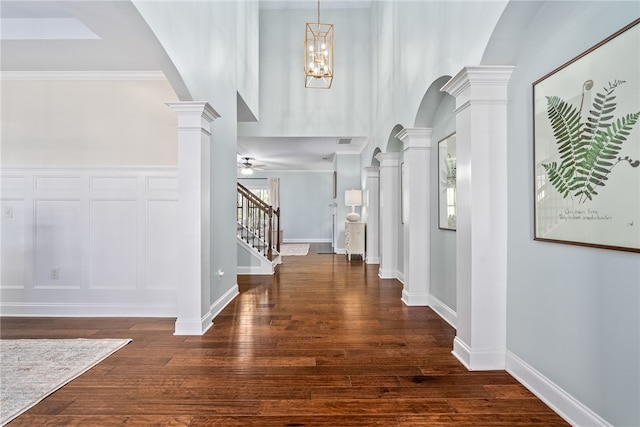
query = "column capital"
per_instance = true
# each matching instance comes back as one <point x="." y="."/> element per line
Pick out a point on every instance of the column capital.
<point x="415" y="138"/>
<point x="388" y="159"/>
<point x="194" y="114"/>
<point x="372" y="171"/>
<point x="480" y="83"/>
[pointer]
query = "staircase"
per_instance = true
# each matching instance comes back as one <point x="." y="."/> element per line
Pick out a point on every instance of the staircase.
<point x="258" y="233"/>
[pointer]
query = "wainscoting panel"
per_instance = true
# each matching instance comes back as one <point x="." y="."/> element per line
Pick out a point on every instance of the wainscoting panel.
<point x="123" y="183"/>
<point x="13" y="268"/>
<point x="57" y="182"/>
<point x="58" y="243"/>
<point x="162" y="244"/>
<point x="113" y="240"/>
<point x="12" y="182"/>
<point x="82" y="241"/>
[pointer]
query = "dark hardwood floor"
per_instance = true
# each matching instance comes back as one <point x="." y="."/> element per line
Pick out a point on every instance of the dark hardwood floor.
<point x="323" y="342"/>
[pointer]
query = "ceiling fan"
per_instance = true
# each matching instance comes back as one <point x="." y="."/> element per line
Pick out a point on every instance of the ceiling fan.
<point x="246" y="167"/>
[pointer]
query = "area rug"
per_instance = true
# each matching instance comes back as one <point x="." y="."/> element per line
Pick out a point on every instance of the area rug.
<point x="32" y="369"/>
<point x="294" y="249"/>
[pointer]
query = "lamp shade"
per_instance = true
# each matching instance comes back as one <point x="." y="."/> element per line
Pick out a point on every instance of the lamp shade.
<point x="353" y="198"/>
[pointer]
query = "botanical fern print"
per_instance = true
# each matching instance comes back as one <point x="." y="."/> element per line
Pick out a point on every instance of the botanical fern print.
<point x="589" y="149"/>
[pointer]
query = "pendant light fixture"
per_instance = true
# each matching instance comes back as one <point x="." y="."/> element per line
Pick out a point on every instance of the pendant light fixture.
<point x="318" y="54"/>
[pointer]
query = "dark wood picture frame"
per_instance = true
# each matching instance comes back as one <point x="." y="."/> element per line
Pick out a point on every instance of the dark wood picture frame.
<point x="586" y="116"/>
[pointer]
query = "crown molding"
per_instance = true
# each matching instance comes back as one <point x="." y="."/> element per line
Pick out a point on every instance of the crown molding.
<point x="82" y="75"/>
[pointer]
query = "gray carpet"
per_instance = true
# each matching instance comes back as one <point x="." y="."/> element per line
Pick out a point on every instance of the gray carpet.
<point x="30" y="370"/>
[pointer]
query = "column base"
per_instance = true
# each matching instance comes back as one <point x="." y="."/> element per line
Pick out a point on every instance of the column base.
<point x="193" y="326"/>
<point x="479" y="360"/>
<point x="414" y="300"/>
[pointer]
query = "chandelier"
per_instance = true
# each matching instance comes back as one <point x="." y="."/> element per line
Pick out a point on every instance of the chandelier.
<point x="318" y="54"/>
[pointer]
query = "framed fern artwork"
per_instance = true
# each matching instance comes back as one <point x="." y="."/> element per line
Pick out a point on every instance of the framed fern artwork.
<point x="447" y="183"/>
<point x="587" y="147"/>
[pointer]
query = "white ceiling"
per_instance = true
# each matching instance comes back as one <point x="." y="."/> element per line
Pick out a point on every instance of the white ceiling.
<point x="109" y="42"/>
<point x="75" y="36"/>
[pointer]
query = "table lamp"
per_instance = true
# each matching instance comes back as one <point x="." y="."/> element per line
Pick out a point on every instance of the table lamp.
<point x="353" y="198"/>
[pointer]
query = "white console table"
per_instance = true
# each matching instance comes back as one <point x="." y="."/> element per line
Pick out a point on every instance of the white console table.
<point x="354" y="238"/>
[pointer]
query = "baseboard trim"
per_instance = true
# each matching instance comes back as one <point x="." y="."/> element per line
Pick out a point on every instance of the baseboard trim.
<point x="462" y="352"/>
<point x="372" y="260"/>
<point x="254" y="270"/>
<point x="306" y="241"/>
<point x="85" y="310"/>
<point x="565" y="405"/>
<point x="400" y="276"/>
<point x="444" y="311"/>
<point x="224" y="300"/>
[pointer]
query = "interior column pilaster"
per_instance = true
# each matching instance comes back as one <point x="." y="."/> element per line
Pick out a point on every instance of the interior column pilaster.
<point x="389" y="214"/>
<point x="372" y="198"/>
<point x="194" y="188"/>
<point x="416" y="212"/>
<point x="481" y="236"/>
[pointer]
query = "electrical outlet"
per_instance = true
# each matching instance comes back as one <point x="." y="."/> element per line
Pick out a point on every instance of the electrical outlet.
<point x="8" y="212"/>
<point x="55" y="273"/>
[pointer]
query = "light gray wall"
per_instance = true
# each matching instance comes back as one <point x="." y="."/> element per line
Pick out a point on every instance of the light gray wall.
<point x="304" y="204"/>
<point x="248" y="55"/>
<point x="407" y="56"/>
<point x="573" y="312"/>
<point x="287" y="108"/>
<point x="201" y="40"/>
<point x="443" y="242"/>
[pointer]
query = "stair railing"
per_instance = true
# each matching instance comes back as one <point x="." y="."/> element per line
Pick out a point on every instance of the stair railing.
<point x="256" y="219"/>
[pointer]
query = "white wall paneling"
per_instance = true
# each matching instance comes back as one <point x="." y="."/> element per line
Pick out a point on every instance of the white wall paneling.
<point x="113" y="225"/>
<point x="57" y="237"/>
<point x="162" y="237"/>
<point x="13" y="271"/>
<point x="83" y="241"/>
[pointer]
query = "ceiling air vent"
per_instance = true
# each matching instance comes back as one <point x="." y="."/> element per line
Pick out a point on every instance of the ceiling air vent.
<point x="344" y="141"/>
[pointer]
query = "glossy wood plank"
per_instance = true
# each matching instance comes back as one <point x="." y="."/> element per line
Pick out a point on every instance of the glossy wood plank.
<point x="323" y="342"/>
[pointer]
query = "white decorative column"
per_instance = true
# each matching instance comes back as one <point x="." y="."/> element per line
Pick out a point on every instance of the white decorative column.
<point x="194" y="188"/>
<point x="416" y="210"/>
<point x="373" y="213"/>
<point x="481" y="236"/>
<point x="389" y="214"/>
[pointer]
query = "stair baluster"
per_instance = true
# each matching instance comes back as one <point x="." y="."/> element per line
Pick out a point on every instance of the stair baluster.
<point x="256" y="223"/>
